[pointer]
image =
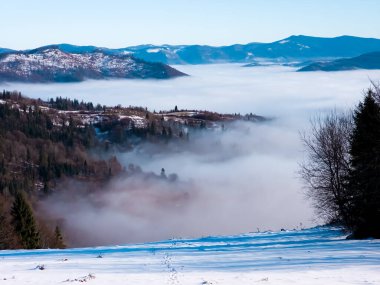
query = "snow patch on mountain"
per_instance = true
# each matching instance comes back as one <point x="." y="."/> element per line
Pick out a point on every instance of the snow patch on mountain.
<point x="153" y="50"/>
<point x="302" y="46"/>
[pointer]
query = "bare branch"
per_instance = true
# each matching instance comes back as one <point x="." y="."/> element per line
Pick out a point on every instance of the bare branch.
<point x="326" y="167"/>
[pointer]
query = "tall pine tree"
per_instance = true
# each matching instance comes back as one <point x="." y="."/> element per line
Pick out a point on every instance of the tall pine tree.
<point x="364" y="180"/>
<point x="24" y="223"/>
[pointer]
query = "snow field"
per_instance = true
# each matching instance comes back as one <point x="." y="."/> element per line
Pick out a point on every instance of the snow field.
<point x="320" y="255"/>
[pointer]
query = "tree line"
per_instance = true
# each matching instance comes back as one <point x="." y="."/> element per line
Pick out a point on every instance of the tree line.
<point x="41" y="148"/>
<point x="44" y="144"/>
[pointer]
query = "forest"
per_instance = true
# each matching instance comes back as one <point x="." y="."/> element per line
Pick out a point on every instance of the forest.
<point x="36" y="153"/>
<point x="43" y="145"/>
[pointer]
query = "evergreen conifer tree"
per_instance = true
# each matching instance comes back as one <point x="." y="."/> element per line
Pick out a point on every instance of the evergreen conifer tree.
<point x="364" y="180"/>
<point x="24" y="223"/>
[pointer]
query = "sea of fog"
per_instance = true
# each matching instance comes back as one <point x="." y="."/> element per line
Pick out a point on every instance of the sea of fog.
<point x="241" y="180"/>
<point x="270" y="91"/>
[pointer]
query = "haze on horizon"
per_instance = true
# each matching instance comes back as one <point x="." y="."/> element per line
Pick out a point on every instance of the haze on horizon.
<point x="117" y="23"/>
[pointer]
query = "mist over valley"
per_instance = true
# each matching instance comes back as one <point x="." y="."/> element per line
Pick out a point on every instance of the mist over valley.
<point x="241" y="178"/>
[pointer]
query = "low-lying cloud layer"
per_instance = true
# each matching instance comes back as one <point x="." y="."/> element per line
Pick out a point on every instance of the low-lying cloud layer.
<point x="233" y="181"/>
<point x="239" y="180"/>
<point x="268" y="91"/>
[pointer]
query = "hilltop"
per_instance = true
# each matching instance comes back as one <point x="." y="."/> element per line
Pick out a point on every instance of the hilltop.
<point x="364" y="61"/>
<point x="51" y="64"/>
<point x="46" y="145"/>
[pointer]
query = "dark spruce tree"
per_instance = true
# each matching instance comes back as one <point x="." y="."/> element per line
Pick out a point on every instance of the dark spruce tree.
<point x="364" y="178"/>
<point x="24" y="223"/>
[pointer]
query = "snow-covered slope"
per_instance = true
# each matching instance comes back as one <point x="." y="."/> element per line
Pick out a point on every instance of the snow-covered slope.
<point x="314" y="256"/>
<point x="50" y="64"/>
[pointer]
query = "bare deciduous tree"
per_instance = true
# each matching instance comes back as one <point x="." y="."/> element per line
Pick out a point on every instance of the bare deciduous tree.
<point x="325" y="169"/>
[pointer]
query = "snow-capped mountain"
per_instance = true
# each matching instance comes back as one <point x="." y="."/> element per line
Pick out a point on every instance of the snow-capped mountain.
<point x="52" y="64"/>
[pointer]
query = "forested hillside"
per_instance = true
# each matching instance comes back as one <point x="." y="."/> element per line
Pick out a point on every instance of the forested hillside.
<point x="45" y="144"/>
<point x="36" y="152"/>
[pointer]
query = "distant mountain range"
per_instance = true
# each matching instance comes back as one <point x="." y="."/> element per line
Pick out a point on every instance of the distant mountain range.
<point x="299" y="48"/>
<point x="291" y="48"/>
<point x="52" y="64"/>
<point x="364" y="61"/>
<point x="68" y="63"/>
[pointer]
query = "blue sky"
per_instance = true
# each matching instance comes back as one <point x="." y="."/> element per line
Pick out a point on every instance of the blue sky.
<point x="118" y="23"/>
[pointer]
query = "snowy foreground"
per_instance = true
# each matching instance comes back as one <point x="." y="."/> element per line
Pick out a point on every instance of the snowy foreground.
<point x="313" y="256"/>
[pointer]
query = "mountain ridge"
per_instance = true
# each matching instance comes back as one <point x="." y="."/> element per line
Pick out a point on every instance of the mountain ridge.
<point x="51" y="64"/>
<point x="299" y="47"/>
<point x="365" y="61"/>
